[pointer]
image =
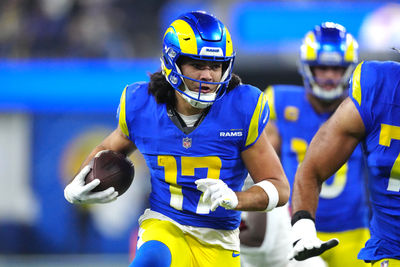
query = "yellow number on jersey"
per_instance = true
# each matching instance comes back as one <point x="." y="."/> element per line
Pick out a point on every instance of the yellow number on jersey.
<point x="389" y="132"/>
<point x="170" y="174"/>
<point x="189" y="164"/>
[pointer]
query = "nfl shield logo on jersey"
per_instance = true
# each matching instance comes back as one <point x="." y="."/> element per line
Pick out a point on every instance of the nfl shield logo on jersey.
<point x="187" y="142"/>
<point x="385" y="263"/>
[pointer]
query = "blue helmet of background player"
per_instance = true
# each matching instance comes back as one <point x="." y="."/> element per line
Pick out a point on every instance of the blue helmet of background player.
<point x="328" y="44"/>
<point x="199" y="36"/>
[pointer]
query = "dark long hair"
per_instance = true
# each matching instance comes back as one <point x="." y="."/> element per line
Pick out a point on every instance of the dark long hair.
<point x="165" y="93"/>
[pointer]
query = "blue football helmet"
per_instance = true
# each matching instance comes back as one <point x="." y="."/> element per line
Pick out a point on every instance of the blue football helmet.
<point x="199" y="36"/>
<point x="328" y="44"/>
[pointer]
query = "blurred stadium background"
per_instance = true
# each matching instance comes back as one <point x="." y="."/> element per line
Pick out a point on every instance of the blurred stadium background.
<point x="63" y="66"/>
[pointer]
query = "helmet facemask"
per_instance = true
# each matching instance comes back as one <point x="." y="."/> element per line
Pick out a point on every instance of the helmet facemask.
<point x="312" y="84"/>
<point x="200" y="99"/>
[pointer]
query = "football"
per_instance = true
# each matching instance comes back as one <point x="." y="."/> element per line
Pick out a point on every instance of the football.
<point x="113" y="169"/>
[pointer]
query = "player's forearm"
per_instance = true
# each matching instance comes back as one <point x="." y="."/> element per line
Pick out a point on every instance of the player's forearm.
<point x="306" y="189"/>
<point x="256" y="199"/>
<point x="253" y="199"/>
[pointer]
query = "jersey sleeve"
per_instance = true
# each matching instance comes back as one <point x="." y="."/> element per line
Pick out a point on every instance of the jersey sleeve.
<point x="259" y="119"/>
<point x="121" y="114"/>
<point x="270" y="93"/>
<point x="133" y="97"/>
<point x="361" y="92"/>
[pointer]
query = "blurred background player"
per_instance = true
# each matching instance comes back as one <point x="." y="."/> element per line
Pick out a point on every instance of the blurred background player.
<point x="201" y="132"/>
<point x="328" y="56"/>
<point x="370" y="116"/>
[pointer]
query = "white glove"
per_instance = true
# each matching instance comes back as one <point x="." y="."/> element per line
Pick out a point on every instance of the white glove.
<point x="218" y="193"/>
<point x="306" y="244"/>
<point x="79" y="193"/>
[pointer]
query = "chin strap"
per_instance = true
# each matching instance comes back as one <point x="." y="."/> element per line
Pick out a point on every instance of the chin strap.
<point x="190" y="96"/>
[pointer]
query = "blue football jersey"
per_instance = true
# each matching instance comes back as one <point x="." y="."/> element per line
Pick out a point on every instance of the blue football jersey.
<point x="212" y="150"/>
<point x="375" y="91"/>
<point x="342" y="203"/>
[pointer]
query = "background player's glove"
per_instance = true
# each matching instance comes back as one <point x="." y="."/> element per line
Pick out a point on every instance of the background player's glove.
<point x="79" y="193"/>
<point x="218" y="193"/>
<point x="306" y="244"/>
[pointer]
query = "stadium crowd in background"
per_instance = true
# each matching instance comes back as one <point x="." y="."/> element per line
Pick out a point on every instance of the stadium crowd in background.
<point x="78" y="29"/>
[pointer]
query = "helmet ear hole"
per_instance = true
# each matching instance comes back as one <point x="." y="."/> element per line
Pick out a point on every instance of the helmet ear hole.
<point x="166" y="62"/>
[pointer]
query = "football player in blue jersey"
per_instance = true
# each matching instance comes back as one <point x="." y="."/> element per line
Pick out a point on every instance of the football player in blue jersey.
<point x="201" y="132"/>
<point x="370" y="116"/>
<point x="328" y="55"/>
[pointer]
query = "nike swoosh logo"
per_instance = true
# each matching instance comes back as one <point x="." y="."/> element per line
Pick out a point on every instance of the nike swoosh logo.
<point x="235" y="254"/>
